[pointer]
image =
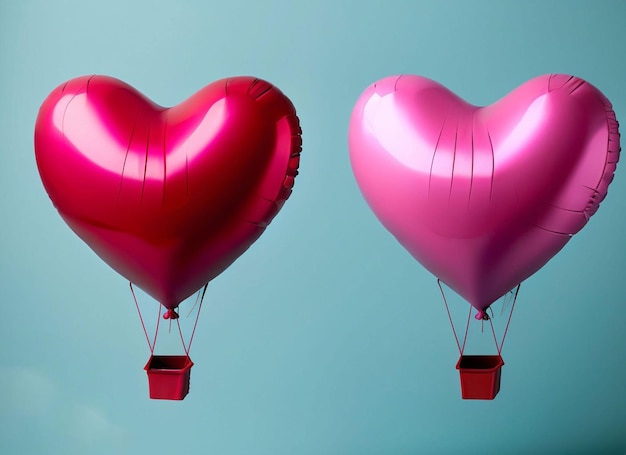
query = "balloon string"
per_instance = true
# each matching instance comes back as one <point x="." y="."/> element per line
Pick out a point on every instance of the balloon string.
<point x="182" y="339"/>
<point x="469" y="316"/>
<point x="456" y="338"/>
<point x="495" y="339"/>
<point x="195" y="303"/>
<point x="141" y="318"/>
<point x="156" y="331"/>
<point x="506" y="329"/>
<point x="493" y="331"/>
<point x="193" y="332"/>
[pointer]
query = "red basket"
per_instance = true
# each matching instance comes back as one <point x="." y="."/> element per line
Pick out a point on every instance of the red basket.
<point x="480" y="376"/>
<point x="168" y="376"/>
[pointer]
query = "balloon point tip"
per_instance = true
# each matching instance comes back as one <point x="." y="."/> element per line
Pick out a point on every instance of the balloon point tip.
<point x="170" y="314"/>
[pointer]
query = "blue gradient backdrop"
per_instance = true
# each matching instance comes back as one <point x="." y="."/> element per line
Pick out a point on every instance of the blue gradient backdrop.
<point x="326" y="337"/>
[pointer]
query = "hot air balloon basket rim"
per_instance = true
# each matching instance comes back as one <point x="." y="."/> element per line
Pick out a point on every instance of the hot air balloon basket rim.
<point x="480" y="376"/>
<point x="168" y="376"/>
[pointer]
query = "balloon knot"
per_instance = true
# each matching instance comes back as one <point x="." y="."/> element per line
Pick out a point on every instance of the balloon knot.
<point x="482" y="315"/>
<point x="170" y="314"/>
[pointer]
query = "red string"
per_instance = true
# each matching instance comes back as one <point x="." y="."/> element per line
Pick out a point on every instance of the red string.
<point x="193" y="332"/>
<point x="156" y="332"/>
<point x="141" y="318"/>
<point x="195" y="303"/>
<point x="182" y="339"/>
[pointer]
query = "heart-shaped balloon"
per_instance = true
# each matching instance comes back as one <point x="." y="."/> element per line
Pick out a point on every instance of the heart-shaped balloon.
<point x="483" y="197"/>
<point x="168" y="197"/>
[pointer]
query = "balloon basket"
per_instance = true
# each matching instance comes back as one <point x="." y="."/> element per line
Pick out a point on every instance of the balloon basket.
<point x="168" y="376"/>
<point x="480" y="376"/>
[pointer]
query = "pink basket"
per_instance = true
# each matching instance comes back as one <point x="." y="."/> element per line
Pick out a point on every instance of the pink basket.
<point x="168" y="376"/>
<point x="480" y="376"/>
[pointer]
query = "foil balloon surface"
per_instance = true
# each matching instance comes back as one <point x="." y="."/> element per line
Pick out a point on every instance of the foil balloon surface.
<point x="168" y="197"/>
<point x="483" y="197"/>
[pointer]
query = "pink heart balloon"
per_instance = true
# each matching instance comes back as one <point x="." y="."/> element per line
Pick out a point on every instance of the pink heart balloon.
<point x="483" y="197"/>
<point x="168" y="197"/>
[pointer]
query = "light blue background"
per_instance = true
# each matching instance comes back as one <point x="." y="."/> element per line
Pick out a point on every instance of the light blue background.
<point x="326" y="337"/>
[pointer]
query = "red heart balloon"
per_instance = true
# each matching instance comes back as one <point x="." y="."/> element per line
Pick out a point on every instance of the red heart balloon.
<point x="168" y="197"/>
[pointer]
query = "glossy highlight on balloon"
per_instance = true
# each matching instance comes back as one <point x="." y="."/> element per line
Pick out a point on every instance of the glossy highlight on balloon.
<point x="168" y="197"/>
<point x="483" y="197"/>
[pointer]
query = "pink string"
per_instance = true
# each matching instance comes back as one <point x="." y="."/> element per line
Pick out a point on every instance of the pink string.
<point x="495" y="339"/>
<point x="506" y="329"/>
<point x="456" y="338"/>
<point x="493" y="331"/>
